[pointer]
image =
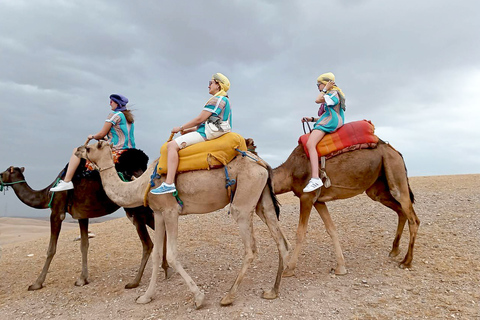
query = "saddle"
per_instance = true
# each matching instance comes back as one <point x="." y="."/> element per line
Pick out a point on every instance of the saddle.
<point x="351" y="136"/>
<point x="205" y="155"/>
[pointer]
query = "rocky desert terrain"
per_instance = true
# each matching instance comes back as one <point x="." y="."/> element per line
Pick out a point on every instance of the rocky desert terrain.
<point x="443" y="282"/>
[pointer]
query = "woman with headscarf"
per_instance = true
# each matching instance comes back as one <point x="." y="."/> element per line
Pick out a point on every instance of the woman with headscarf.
<point x="331" y="112"/>
<point x="194" y="130"/>
<point x="118" y="130"/>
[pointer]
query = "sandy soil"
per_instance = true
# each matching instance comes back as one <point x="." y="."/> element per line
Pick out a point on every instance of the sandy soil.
<point x="443" y="282"/>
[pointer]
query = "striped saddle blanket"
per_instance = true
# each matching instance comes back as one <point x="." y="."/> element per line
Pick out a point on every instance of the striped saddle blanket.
<point x="351" y="136"/>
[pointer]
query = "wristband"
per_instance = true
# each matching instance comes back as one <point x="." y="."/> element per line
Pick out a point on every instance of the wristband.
<point x="324" y="91"/>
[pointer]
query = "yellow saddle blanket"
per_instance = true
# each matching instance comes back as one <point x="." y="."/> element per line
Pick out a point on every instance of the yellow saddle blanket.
<point x="205" y="155"/>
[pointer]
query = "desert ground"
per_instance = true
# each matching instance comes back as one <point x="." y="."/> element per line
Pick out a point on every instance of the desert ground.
<point x="443" y="282"/>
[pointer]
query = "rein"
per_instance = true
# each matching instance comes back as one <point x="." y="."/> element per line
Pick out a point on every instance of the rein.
<point x="308" y="125"/>
<point x="112" y="166"/>
<point x="5" y="185"/>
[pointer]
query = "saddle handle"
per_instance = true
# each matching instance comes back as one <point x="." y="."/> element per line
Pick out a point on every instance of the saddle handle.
<point x="308" y="125"/>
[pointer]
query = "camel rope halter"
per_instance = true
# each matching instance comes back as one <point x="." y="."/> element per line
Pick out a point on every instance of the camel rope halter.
<point x="4" y="185"/>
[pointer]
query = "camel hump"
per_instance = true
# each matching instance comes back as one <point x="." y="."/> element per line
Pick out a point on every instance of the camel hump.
<point x="132" y="160"/>
<point x="351" y="136"/>
<point x="205" y="155"/>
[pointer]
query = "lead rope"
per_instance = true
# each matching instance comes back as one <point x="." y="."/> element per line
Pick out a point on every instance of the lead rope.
<point x="5" y="185"/>
<point x="228" y="186"/>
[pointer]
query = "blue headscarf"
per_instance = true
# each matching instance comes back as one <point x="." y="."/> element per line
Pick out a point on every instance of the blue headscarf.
<point x="120" y="100"/>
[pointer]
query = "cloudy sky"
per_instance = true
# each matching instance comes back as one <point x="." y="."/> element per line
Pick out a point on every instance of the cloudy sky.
<point x="411" y="67"/>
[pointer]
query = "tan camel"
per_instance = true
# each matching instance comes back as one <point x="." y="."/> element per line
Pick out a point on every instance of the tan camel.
<point x="201" y="192"/>
<point x="380" y="172"/>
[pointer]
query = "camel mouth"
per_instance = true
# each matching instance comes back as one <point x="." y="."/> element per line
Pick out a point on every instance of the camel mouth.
<point x="81" y="152"/>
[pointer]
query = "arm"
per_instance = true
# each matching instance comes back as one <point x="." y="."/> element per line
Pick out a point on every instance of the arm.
<point x="201" y="118"/>
<point x="321" y="96"/>
<point x="309" y="119"/>
<point x="102" y="133"/>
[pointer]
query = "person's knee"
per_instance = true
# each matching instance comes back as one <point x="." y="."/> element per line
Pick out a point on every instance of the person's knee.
<point x="172" y="146"/>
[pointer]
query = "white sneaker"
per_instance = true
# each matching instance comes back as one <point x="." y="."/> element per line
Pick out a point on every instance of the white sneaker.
<point x="313" y="185"/>
<point x="62" y="186"/>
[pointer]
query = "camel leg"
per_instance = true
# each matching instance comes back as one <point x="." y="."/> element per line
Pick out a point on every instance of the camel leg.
<point x="266" y="211"/>
<point x="305" y="209"/>
<point x="171" y="225"/>
<point x="243" y="216"/>
<point x="147" y="246"/>
<point x="398" y="187"/>
<point x="157" y="253"/>
<point x="379" y="192"/>
<point x="56" y="219"/>
<point x="141" y="217"/>
<point x="322" y="209"/>
<point x="83" y="280"/>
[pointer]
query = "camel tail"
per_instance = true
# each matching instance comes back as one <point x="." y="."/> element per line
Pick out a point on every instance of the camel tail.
<point x="276" y="203"/>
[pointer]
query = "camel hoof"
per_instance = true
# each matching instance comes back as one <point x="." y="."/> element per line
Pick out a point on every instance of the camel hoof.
<point x="143" y="299"/>
<point x="340" y="270"/>
<point x="199" y="300"/>
<point x="34" y="287"/>
<point x="131" y="285"/>
<point x="81" y="282"/>
<point x="169" y="272"/>
<point x="394" y="253"/>
<point x="227" y="300"/>
<point x="288" y="273"/>
<point x="270" y="295"/>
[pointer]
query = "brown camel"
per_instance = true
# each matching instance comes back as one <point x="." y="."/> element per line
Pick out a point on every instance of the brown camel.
<point x="87" y="200"/>
<point x="380" y="172"/>
<point x="201" y="191"/>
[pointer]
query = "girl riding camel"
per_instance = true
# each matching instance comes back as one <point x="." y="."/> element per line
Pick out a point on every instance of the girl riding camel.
<point x="194" y="130"/>
<point x="331" y="112"/>
<point x="118" y="129"/>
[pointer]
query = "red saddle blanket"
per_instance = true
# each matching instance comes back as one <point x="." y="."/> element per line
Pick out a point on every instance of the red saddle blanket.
<point x="351" y="136"/>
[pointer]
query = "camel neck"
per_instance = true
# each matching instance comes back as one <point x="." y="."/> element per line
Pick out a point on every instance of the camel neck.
<point x="125" y="194"/>
<point x="282" y="179"/>
<point x="38" y="199"/>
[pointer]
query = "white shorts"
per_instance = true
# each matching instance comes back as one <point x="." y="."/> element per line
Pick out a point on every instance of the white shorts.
<point x="188" y="139"/>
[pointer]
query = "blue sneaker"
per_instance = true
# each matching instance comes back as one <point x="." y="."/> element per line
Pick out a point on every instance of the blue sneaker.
<point x="164" y="188"/>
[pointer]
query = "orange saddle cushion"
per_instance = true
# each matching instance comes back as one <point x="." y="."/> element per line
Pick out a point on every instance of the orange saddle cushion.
<point x="205" y="155"/>
<point x="350" y="134"/>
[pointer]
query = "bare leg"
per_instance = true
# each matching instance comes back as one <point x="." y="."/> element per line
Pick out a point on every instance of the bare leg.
<point x="332" y="231"/>
<point x="312" y="142"/>
<point x="172" y="161"/>
<point x="72" y="166"/>
<point x="83" y="280"/>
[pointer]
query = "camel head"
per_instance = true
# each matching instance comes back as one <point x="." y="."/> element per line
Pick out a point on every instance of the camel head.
<point x="251" y="146"/>
<point x="100" y="154"/>
<point x="11" y="175"/>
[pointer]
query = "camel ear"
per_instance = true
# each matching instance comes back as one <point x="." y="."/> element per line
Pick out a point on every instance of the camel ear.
<point x="22" y="169"/>
<point x="11" y="169"/>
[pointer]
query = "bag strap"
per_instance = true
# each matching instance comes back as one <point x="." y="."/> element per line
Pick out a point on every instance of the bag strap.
<point x="223" y="110"/>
